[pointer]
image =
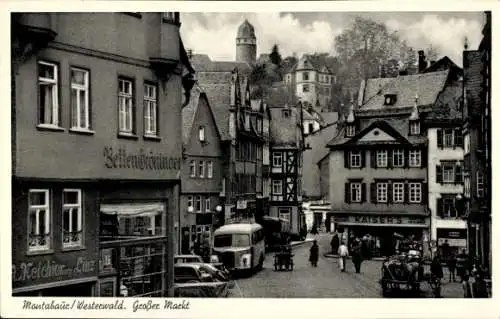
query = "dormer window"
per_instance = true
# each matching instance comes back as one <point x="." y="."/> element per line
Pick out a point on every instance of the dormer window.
<point x="350" y="130"/>
<point x="286" y="113"/>
<point x="390" y="99"/>
<point x="415" y="127"/>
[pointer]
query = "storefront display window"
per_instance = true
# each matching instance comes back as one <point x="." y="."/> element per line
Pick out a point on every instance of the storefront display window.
<point x="127" y="221"/>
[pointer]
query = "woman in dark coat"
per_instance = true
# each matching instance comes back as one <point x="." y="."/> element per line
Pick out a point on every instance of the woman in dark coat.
<point x="335" y="243"/>
<point x="314" y="254"/>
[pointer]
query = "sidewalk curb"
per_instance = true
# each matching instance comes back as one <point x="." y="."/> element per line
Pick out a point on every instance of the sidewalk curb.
<point x="349" y="257"/>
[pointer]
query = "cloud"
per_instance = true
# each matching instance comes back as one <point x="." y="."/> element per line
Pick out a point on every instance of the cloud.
<point x="445" y="35"/>
<point x="214" y="33"/>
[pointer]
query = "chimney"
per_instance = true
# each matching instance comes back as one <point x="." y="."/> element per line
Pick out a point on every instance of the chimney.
<point x="189" y="53"/>
<point x="422" y="64"/>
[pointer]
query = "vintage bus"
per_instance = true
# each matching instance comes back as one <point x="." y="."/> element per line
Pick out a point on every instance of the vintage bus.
<point x="239" y="246"/>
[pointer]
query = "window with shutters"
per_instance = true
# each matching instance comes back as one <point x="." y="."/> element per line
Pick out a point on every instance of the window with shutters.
<point x="355" y="192"/>
<point x="415" y="192"/>
<point x="382" y="192"/>
<point x="398" y="158"/>
<point x="450" y="138"/>
<point x="415" y="158"/>
<point x="355" y="159"/>
<point x="448" y="172"/>
<point x="446" y="206"/>
<point x="398" y="192"/>
<point x="480" y="184"/>
<point x="381" y="158"/>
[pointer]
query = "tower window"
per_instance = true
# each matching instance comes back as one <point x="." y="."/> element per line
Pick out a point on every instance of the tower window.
<point x="305" y="88"/>
<point x="305" y="76"/>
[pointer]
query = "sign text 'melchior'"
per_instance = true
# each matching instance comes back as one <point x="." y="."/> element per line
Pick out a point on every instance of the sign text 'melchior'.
<point x="120" y="158"/>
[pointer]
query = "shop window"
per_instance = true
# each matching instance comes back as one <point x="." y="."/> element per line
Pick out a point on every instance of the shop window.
<point x="415" y="193"/>
<point x="48" y="99"/>
<point x="134" y="220"/>
<point x="381" y="158"/>
<point x="72" y="218"/>
<point x="80" y="106"/>
<point x="398" y="158"/>
<point x="192" y="169"/>
<point x="398" y="192"/>
<point x="415" y="158"/>
<point x="39" y="220"/>
<point x="382" y="193"/>
<point x="150" y="110"/>
<point x="142" y="270"/>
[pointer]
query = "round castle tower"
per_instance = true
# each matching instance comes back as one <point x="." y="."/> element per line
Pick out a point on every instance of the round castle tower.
<point x="246" y="43"/>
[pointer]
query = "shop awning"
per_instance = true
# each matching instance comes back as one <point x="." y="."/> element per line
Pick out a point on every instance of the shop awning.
<point x="135" y="210"/>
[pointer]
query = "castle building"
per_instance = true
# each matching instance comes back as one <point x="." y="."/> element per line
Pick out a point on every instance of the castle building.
<point x="246" y="43"/>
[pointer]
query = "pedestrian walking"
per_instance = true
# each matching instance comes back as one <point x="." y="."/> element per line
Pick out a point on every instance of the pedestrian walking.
<point x="314" y="254"/>
<point x="452" y="265"/>
<point x="343" y="252"/>
<point x="466" y="285"/>
<point x="357" y="257"/>
<point x="334" y="243"/>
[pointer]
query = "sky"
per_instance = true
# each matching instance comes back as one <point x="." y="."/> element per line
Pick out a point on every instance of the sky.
<point x="214" y="33"/>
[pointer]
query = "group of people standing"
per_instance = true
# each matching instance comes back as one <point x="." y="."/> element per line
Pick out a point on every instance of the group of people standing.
<point x="472" y="276"/>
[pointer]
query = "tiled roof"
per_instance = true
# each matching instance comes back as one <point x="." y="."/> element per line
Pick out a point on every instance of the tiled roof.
<point x="330" y="117"/>
<point x="188" y="114"/>
<point x="394" y="125"/>
<point x="318" y="143"/>
<point x="219" y="98"/>
<point x="203" y="63"/>
<point x="473" y="78"/>
<point x="284" y="130"/>
<point x="426" y="85"/>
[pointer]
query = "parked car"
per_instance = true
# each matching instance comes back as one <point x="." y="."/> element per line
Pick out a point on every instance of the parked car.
<point x="198" y="259"/>
<point x="223" y="276"/>
<point x="191" y="273"/>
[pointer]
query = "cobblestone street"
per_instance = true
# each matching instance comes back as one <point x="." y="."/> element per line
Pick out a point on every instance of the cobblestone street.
<point x="325" y="281"/>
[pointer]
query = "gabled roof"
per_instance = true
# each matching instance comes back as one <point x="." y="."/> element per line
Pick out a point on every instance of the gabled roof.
<point x="318" y="142"/>
<point x="398" y="129"/>
<point x="219" y="98"/>
<point x="443" y="63"/>
<point x="426" y="85"/>
<point x="189" y="113"/>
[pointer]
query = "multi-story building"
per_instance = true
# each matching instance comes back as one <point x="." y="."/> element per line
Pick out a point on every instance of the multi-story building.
<point x="201" y="173"/>
<point x="311" y="83"/>
<point x="286" y="165"/>
<point x="477" y="146"/>
<point x="445" y="164"/>
<point x="96" y="147"/>
<point x="380" y="155"/>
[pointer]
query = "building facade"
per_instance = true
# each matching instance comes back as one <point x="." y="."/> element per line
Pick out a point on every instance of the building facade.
<point x="311" y="83"/>
<point x="200" y="207"/>
<point x="286" y="166"/>
<point x="96" y="149"/>
<point x="381" y="155"/>
<point x="477" y="146"/>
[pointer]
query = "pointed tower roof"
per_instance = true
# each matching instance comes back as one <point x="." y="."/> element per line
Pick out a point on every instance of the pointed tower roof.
<point x="246" y="30"/>
<point x="414" y="113"/>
